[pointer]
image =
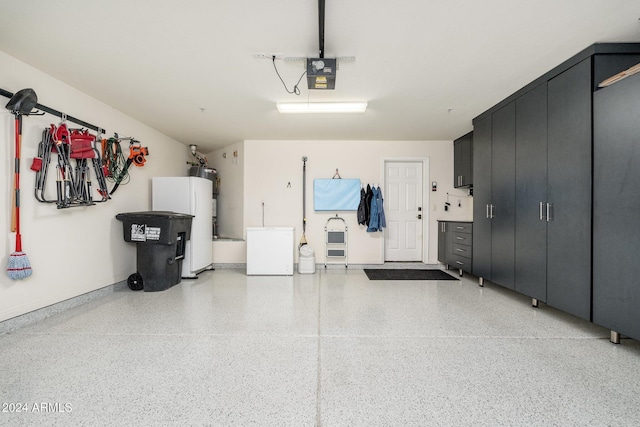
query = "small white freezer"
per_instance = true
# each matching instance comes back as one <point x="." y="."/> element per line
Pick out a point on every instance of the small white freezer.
<point x="270" y="251"/>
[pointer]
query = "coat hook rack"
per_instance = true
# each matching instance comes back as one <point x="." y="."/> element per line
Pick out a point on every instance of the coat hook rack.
<point x="337" y="174"/>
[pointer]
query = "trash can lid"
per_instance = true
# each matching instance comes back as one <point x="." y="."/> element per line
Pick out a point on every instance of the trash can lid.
<point x="306" y="251"/>
<point x="152" y="214"/>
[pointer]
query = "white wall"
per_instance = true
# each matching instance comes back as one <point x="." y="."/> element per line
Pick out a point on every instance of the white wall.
<point x="229" y="163"/>
<point x="270" y="166"/>
<point x="77" y="250"/>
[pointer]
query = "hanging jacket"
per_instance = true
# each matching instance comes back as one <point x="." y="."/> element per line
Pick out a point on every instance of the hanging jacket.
<point x="374" y="218"/>
<point x="362" y="210"/>
<point x="367" y="205"/>
<point x="382" y="221"/>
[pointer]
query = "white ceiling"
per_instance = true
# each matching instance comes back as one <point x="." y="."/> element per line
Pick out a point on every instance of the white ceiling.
<point x="426" y="67"/>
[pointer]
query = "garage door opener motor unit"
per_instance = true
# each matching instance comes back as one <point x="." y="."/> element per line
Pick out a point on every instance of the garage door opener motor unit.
<point x="321" y="73"/>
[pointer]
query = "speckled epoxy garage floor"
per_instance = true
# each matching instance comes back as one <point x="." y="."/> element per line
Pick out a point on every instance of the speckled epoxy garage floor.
<point x="328" y="349"/>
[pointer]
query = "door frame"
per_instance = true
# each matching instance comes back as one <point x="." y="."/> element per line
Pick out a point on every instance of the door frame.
<point x="425" y="201"/>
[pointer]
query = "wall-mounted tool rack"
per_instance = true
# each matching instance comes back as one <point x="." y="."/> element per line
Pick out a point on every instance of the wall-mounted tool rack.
<point x="57" y="113"/>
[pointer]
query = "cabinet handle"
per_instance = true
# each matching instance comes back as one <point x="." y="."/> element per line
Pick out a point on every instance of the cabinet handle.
<point x="487" y="211"/>
<point x="549" y="212"/>
<point x="459" y="263"/>
<point x="460" y="228"/>
<point x="460" y="238"/>
<point x="491" y="216"/>
<point x="541" y="214"/>
<point x="459" y="250"/>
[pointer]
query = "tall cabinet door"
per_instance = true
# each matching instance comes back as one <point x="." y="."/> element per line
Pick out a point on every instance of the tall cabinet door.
<point x="442" y="242"/>
<point x="616" y="214"/>
<point x="462" y="161"/>
<point x="503" y="163"/>
<point x="467" y="159"/>
<point x="458" y="163"/>
<point x="531" y="194"/>
<point x="482" y="198"/>
<point x="569" y="191"/>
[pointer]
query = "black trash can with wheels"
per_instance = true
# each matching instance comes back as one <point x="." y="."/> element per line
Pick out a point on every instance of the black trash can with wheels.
<point x="160" y="238"/>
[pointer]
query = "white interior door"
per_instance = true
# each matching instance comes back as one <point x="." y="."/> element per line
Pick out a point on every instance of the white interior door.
<point x="403" y="203"/>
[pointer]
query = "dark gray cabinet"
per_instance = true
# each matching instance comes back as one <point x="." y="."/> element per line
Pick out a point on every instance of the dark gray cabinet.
<point x="494" y="197"/>
<point x="463" y="161"/>
<point x="569" y="190"/>
<point x="553" y="191"/>
<point x="616" y="208"/>
<point x="502" y="206"/>
<point x="444" y="243"/>
<point x="540" y="192"/>
<point x="531" y="194"/>
<point x="482" y="198"/>
<point x="533" y="182"/>
<point x="455" y="244"/>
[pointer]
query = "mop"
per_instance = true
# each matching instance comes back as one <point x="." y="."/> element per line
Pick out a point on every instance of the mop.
<point x="22" y="102"/>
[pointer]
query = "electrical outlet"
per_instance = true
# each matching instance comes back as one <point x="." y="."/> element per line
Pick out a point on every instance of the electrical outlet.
<point x="269" y="56"/>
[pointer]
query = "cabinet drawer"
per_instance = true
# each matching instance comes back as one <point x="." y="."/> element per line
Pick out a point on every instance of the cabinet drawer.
<point x="460" y="262"/>
<point x="462" y="227"/>
<point x="461" y="238"/>
<point x="461" y="250"/>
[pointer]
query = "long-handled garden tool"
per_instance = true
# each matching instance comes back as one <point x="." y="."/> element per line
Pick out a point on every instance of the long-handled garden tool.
<point x="303" y="240"/>
<point x="21" y="103"/>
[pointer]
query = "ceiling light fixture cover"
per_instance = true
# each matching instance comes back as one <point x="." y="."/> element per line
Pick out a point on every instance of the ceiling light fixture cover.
<point x="322" y="107"/>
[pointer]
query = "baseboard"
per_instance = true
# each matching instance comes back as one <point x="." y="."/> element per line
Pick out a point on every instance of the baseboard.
<point x="320" y="265"/>
<point x="26" y="319"/>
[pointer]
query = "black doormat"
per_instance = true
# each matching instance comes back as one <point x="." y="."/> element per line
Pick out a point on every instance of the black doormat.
<point x="406" y="274"/>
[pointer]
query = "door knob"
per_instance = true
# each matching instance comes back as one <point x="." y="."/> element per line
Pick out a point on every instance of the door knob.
<point x="419" y="216"/>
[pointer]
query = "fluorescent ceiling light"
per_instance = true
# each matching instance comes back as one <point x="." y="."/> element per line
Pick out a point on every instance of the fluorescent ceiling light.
<point x="322" y="107"/>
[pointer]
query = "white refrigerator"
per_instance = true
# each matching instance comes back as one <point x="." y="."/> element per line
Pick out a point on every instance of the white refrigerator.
<point x="189" y="195"/>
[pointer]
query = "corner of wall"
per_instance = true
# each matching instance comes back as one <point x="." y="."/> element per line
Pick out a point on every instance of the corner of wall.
<point x="229" y="163"/>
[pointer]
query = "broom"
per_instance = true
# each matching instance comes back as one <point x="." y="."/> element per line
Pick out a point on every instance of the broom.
<point x="303" y="240"/>
<point x="18" y="267"/>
